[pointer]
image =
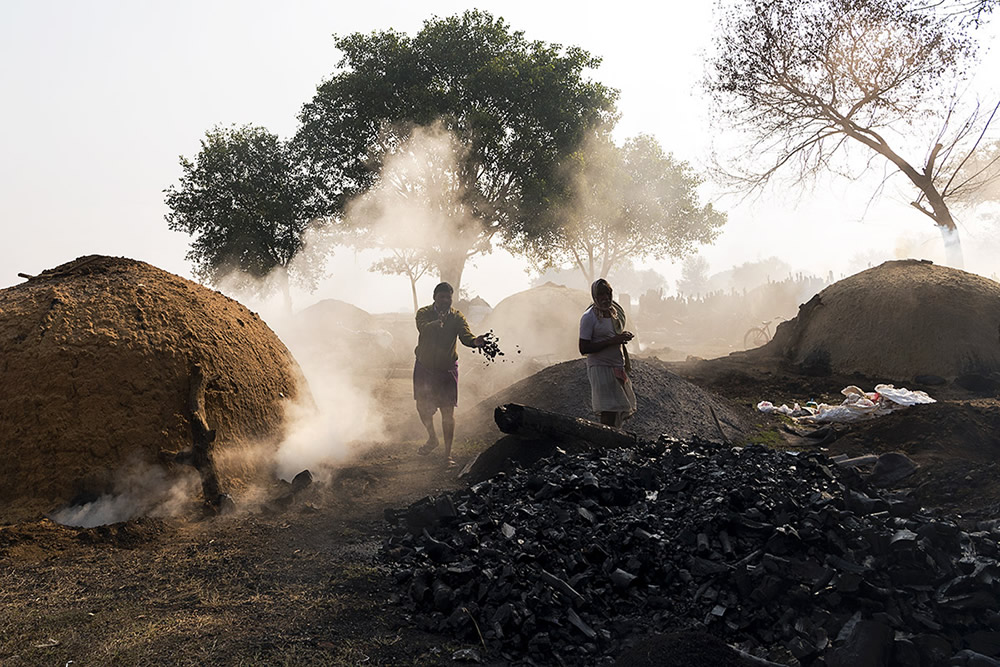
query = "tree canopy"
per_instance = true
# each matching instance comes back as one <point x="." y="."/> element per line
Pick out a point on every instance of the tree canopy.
<point x="628" y="203"/>
<point x="516" y="107"/>
<point x="808" y="80"/>
<point x="247" y="205"/>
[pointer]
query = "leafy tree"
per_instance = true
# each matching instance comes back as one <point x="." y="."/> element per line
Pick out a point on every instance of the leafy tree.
<point x="516" y="107"/>
<point x="247" y="205"/>
<point x="808" y="80"/>
<point x="412" y="263"/>
<point x="629" y="203"/>
<point x="694" y="276"/>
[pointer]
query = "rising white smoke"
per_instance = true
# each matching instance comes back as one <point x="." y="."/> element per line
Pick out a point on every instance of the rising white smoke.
<point x="140" y="489"/>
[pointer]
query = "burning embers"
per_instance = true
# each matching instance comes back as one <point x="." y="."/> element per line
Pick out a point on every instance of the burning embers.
<point x="781" y="555"/>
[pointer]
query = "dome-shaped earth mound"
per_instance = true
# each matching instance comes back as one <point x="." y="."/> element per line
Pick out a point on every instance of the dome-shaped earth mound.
<point x="896" y="321"/>
<point x="666" y="403"/>
<point x="543" y="321"/>
<point x="99" y="357"/>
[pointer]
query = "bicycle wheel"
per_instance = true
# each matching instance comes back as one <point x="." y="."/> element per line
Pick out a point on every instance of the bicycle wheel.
<point x="755" y="337"/>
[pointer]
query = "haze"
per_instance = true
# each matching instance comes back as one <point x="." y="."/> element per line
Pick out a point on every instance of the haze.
<point x="101" y="98"/>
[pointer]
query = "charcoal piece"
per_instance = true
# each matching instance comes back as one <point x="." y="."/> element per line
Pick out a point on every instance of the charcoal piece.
<point x="301" y="481"/>
<point x="768" y="589"/>
<point x="467" y="655"/>
<point x="727" y="545"/>
<point x="934" y="649"/>
<point x="562" y="586"/>
<point x="547" y="491"/>
<point x="621" y="579"/>
<point x="800" y="648"/>
<point x="444" y="508"/>
<point x="444" y="596"/>
<point x="986" y="642"/>
<point x="942" y="534"/>
<point x="702" y="543"/>
<point x="973" y="659"/>
<point x="585" y="514"/>
<point x="869" y="644"/>
<point x="541" y="643"/>
<point x="507" y="530"/>
<point x="438" y="550"/>
<point x="783" y="540"/>
<point x="980" y="600"/>
<point x="861" y="504"/>
<point x="847" y="582"/>
<point x="892" y="468"/>
<point x="701" y="567"/>
<point x="579" y="624"/>
<point x="845" y="565"/>
<point x="905" y="653"/>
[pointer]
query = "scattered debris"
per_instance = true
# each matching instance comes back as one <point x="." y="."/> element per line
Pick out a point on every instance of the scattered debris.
<point x="857" y="405"/>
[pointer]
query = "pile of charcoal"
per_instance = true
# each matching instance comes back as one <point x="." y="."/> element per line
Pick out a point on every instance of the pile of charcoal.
<point x="781" y="555"/>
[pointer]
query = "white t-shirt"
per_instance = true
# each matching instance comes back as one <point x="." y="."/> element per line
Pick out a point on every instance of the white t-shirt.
<point x="596" y="329"/>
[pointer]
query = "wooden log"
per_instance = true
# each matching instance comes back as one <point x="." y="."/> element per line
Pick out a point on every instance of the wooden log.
<point x="525" y="421"/>
<point x="202" y="438"/>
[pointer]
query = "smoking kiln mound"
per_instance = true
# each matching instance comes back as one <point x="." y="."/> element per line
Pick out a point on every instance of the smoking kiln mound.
<point x="896" y="321"/>
<point x="99" y="359"/>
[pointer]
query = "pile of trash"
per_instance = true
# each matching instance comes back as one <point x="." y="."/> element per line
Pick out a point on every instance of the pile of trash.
<point x="787" y="557"/>
<point x="857" y="405"/>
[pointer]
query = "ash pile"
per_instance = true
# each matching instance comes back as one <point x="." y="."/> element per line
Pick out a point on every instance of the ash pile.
<point x="785" y="557"/>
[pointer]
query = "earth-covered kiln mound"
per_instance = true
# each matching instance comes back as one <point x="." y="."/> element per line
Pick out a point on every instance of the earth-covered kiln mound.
<point x="666" y="403"/>
<point x="896" y="321"/>
<point x="542" y="321"/>
<point x="98" y="357"/>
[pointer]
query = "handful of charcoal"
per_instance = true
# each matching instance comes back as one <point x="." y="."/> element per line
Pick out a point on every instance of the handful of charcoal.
<point x="491" y="347"/>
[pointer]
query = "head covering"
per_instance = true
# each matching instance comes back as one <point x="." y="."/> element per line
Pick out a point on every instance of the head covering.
<point x="616" y="313"/>
<point x="443" y="287"/>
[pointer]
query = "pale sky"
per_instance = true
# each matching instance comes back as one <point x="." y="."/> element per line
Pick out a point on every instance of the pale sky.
<point x="101" y="97"/>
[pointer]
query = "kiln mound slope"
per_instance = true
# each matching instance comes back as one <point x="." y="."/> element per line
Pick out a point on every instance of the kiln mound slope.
<point x="97" y="356"/>
<point x="667" y="403"/>
<point x="896" y="321"/>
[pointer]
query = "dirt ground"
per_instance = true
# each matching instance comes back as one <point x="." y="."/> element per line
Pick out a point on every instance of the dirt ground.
<point x="301" y="584"/>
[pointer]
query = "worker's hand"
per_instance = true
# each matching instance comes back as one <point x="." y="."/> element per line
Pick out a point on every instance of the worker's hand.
<point x="625" y="336"/>
<point x="479" y="341"/>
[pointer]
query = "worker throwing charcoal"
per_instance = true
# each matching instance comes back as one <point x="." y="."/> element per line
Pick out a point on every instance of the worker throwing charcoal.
<point x="602" y="340"/>
<point x="435" y="372"/>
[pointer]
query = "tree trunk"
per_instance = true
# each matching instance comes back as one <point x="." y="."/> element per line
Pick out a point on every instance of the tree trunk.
<point x="286" y="293"/>
<point x="953" y="255"/>
<point x="450" y="268"/>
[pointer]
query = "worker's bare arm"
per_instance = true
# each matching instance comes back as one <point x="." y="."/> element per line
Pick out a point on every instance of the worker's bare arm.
<point x="590" y="346"/>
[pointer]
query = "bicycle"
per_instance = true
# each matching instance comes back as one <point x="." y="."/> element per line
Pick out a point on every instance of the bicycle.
<point x="757" y="336"/>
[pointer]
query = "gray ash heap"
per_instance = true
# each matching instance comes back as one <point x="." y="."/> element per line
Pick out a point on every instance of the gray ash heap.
<point x="783" y="556"/>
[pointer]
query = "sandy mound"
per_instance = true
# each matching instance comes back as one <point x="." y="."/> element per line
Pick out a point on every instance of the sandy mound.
<point x="896" y="321"/>
<point x="667" y="403"/>
<point x="97" y="355"/>
<point x="332" y="313"/>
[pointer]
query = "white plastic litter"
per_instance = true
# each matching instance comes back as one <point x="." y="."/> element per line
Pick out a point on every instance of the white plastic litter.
<point x="857" y="405"/>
